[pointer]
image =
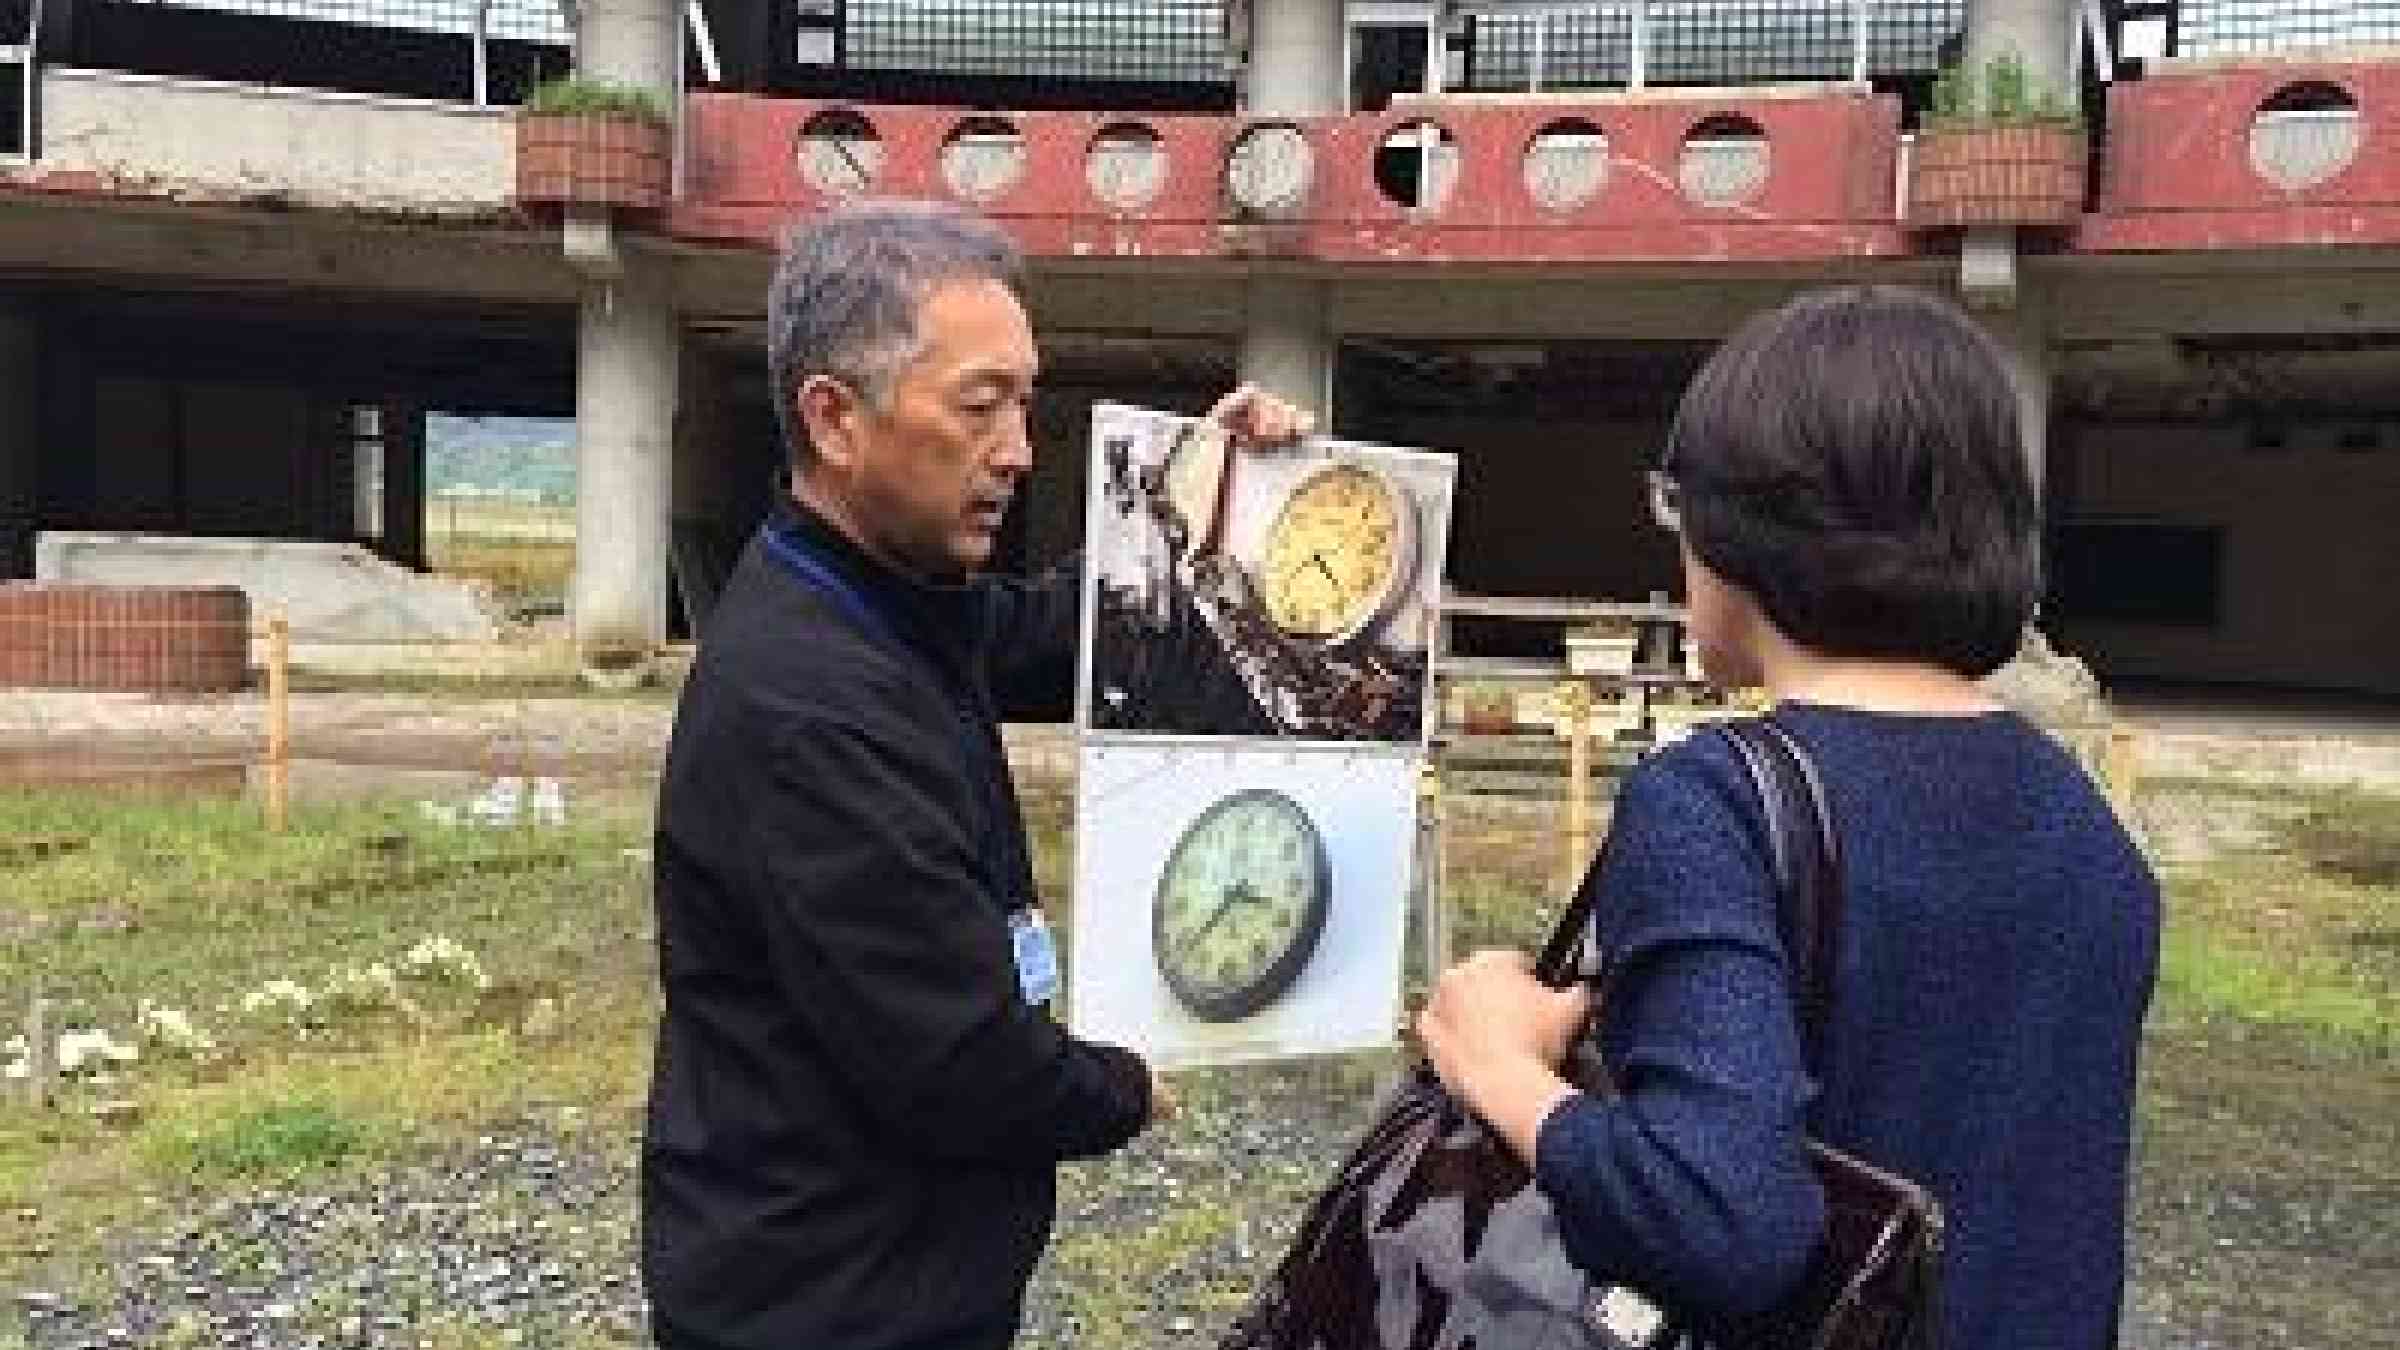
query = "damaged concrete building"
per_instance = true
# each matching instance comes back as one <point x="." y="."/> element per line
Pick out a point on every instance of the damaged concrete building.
<point x="249" y="246"/>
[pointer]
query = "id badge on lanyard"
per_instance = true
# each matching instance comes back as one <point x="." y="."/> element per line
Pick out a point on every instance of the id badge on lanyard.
<point x="1037" y="955"/>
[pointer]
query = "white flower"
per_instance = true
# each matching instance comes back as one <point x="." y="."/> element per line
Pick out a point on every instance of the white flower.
<point x="372" y="987"/>
<point x="19" y="1062"/>
<point x="175" y="1030"/>
<point x="91" y="1047"/>
<point x="278" y="995"/>
<point x="442" y="958"/>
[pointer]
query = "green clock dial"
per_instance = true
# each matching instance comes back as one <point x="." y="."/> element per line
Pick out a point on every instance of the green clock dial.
<point x="1240" y="905"/>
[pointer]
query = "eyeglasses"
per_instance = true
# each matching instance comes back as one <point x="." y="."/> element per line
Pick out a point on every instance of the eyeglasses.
<point x="1666" y="501"/>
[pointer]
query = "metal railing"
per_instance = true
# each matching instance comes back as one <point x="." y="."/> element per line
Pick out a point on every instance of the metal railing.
<point x="480" y="51"/>
<point x="1129" y="40"/>
<point x="522" y="20"/>
<point x="2227" y="27"/>
<point x="1620" y="44"/>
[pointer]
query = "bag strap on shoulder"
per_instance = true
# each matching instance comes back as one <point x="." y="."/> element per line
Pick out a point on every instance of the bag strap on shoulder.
<point x="1808" y="867"/>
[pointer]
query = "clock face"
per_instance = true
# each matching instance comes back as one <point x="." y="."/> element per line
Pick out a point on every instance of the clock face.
<point x="1336" y="553"/>
<point x="1240" y="905"/>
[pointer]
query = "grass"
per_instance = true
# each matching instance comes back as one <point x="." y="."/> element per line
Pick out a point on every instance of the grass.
<point x="277" y="1139"/>
<point x="188" y="903"/>
<point x="2279" y="968"/>
<point x="2302" y="936"/>
<point x="526" y="550"/>
<point x="526" y="575"/>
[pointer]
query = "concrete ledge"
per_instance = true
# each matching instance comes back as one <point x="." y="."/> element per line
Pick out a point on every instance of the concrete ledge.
<point x="162" y="136"/>
<point x="337" y="593"/>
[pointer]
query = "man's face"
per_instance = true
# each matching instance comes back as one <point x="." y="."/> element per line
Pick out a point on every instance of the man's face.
<point x="925" y="478"/>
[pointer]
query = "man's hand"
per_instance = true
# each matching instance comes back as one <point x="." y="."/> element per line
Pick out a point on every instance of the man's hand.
<point x="1254" y="419"/>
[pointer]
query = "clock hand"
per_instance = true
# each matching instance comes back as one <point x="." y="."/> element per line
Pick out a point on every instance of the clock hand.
<point x="1234" y="895"/>
<point x="1319" y="560"/>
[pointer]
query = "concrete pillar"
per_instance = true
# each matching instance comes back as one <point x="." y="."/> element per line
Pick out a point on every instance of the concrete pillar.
<point x="2024" y="333"/>
<point x="628" y="347"/>
<point x="625" y="396"/>
<point x="20" y="438"/>
<point x="2040" y="33"/>
<point x="637" y="42"/>
<point x="1297" y="67"/>
<point x="1287" y="346"/>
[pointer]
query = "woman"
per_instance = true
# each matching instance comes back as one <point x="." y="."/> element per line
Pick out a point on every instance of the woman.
<point x="1859" y="538"/>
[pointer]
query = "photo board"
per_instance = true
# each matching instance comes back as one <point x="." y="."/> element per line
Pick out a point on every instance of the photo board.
<point x="1254" y="705"/>
<point x="1287" y="594"/>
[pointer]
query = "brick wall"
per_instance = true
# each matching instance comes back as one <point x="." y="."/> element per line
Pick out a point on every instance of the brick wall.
<point x="129" y="638"/>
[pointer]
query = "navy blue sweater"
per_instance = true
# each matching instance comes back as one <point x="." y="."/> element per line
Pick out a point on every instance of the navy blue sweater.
<point x="1996" y="962"/>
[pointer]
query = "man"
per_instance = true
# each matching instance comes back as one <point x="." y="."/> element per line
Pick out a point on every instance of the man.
<point x="860" y="1100"/>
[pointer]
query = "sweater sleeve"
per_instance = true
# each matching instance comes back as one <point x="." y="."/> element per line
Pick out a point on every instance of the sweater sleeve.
<point x="898" y="959"/>
<point x="1692" y="1184"/>
<point x="1030" y="628"/>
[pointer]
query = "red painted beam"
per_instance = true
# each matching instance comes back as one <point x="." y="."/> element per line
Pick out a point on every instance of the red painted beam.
<point x="1826" y="193"/>
<point x="2180" y="173"/>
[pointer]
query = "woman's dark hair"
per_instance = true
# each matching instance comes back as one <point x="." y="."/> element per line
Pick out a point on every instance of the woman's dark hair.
<point x="1855" y="461"/>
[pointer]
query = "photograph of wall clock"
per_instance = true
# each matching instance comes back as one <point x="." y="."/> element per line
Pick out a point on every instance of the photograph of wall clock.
<point x="1238" y="902"/>
<point x="1240" y="905"/>
<point x="1341" y="550"/>
<point x="1286" y="594"/>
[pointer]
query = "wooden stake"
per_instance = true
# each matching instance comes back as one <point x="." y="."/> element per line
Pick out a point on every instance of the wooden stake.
<point x="1575" y="701"/>
<point x="1434" y="859"/>
<point x="279" y="718"/>
<point x="2121" y="768"/>
<point x="37" y="1050"/>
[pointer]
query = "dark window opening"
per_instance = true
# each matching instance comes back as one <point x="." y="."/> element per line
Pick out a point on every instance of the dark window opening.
<point x="2138" y="571"/>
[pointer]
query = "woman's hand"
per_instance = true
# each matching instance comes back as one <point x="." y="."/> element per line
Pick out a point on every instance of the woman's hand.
<point x="1496" y="1036"/>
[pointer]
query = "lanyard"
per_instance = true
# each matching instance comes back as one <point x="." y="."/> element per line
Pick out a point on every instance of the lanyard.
<point x="812" y="572"/>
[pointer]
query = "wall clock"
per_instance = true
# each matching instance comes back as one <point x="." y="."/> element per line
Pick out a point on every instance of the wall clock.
<point x="1240" y="905"/>
<point x="1340" y="551"/>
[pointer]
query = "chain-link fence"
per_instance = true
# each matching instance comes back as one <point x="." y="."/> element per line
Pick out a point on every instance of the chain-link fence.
<point x="1706" y="42"/>
<point x="1150" y="41"/>
<point x="2220" y="27"/>
<point x="470" y="50"/>
<point x="495" y="50"/>
<point x="527" y="20"/>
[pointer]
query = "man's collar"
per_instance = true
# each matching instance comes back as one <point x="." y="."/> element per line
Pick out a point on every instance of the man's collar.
<point x="929" y="607"/>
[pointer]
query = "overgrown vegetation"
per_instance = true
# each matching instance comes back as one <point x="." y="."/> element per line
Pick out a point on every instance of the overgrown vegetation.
<point x="583" y="96"/>
<point x="2268" y="1077"/>
<point x="187" y="903"/>
<point x="2004" y="97"/>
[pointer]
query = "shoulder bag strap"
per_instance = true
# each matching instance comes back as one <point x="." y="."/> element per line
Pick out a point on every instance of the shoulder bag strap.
<point x="1808" y="868"/>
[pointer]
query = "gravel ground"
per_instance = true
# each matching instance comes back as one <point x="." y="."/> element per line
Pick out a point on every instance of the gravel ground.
<point x="530" y="1240"/>
<point x="517" y="1233"/>
<point x="524" y="1239"/>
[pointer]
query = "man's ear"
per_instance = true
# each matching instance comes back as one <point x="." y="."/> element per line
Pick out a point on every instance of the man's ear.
<point x="829" y="416"/>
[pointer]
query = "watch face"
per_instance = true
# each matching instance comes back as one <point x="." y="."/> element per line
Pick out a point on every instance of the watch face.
<point x="1336" y="553"/>
<point x="1240" y="905"/>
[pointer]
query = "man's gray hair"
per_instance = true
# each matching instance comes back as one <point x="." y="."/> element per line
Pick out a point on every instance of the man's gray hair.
<point x="846" y="293"/>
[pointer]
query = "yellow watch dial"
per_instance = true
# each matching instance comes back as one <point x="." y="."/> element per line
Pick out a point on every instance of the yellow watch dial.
<point x="1333" y="553"/>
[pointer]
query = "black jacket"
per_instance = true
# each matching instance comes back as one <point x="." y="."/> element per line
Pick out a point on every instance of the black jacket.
<point x="855" y="1117"/>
